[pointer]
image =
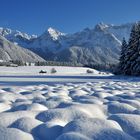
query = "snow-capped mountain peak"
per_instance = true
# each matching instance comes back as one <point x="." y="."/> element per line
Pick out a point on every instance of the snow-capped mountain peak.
<point x="55" y="34"/>
<point x="6" y="32"/>
<point x="16" y="36"/>
<point x="101" y="26"/>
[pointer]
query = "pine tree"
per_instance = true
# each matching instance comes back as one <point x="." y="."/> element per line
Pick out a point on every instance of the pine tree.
<point x="123" y="57"/>
<point x="132" y="51"/>
<point x="136" y="68"/>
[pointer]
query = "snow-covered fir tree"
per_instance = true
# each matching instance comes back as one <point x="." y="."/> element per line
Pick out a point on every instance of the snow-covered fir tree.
<point x="122" y="57"/>
<point x="131" y="55"/>
<point x="136" y="66"/>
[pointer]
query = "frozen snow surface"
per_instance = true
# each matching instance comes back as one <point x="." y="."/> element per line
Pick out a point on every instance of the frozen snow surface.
<point x="103" y="109"/>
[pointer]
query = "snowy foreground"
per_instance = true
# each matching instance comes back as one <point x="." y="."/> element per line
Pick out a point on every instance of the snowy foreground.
<point x="103" y="109"/>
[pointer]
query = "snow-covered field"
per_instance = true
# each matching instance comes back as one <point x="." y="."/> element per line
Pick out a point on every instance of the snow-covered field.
<point x="30" y="75"/>
<point x="84" y="107"/>
<point x="34" y="70"/>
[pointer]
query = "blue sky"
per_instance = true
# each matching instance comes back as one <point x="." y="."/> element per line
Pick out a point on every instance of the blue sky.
<point x="35" y="16"/>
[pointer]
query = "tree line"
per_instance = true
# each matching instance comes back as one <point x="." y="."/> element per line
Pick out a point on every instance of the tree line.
<point x="129" y="63"/>
<point x="44" y="63"/>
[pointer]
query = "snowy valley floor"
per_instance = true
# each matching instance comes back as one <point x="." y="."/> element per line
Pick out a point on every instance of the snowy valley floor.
<point x="69" y="107"/>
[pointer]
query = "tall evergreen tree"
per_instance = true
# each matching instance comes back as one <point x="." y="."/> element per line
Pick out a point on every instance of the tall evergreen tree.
<point x="123" y="57"/>
<point x="136" y="64"/>
<point x="132" y="51"/>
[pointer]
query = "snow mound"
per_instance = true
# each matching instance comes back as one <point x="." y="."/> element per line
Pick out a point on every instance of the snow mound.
<point x="14" y="134"/>
<point x="97" y="129"/>
<point x="25" y="124"/>
<point x="120" y="108"/>
<point x="130" y="123"/>
<point x="7" y="118"/>
<point x="36" y="107"/>
<point x="47" y="131"/>
<point x="73" y="112"/>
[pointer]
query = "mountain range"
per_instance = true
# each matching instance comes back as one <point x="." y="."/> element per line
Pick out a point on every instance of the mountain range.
<point x="99" y="45"/>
